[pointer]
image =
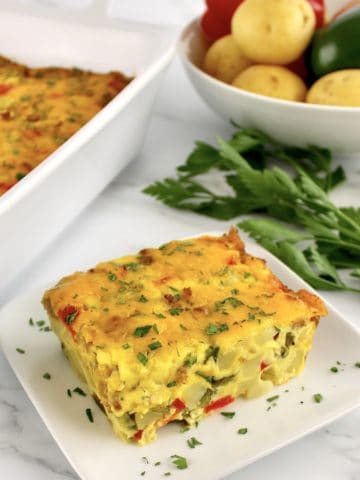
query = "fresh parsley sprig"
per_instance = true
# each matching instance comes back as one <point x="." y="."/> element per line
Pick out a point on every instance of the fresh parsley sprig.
<point x="322" y="237"/>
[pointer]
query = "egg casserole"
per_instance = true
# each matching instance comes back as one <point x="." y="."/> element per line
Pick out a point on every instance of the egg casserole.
<point x="40" y="108"/>
<point x="180" y="331"/>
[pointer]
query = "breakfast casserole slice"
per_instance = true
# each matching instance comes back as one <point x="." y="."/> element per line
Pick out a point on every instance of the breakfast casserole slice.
<point x="177" y="332"/>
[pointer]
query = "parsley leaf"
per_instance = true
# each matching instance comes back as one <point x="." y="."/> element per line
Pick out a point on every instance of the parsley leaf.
<point x="318" y="398"/>
<point x="213" y="328"/>
<point x="228" y="414"/>
<point x="179" y="462"/>
<point x="142" y="331"/>
<point x="331" y="234"/>
<point x="142" y="358"/>
<point x="193" y="442"/>
<point x="154" y="345"/>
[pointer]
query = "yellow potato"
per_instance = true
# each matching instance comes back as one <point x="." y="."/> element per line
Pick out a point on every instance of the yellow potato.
<point x="273" y="31"/>
<point x="341" y="88"/>
<point x="272" y="81"/>
<point x="224" y="59"/>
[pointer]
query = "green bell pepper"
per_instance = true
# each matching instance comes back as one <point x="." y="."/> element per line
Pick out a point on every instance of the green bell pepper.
<point x="337" y="46"/>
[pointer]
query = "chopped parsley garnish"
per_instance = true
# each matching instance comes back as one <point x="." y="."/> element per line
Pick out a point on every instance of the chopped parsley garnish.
<point x="234" y="302"/>
<point x="317" y="397"/>
<point x="71" y="317"/>
<point x="179" y="462"/>
<point x="143" y="299"/>
<point x="47" y="376"/>
<point x="272" y="399"/>
<point x="132" y="266"/>
<point x="334" y="369"/>
<point x="228" y="414"/>
<point x="20" y="175"/>
<point x="159" y="315"/>
<point x="79" y="391"/>
<point x="69" y="394"/>
<point x="208" y="378"/>
<point x="125" y="346"/>
<point x="171" y="384"/>
<point x="142" y="473"/>
<point x="31" y="322"/>
<point x="145" y="460"/>
<point x="193" y="442"/>
<point x="242" y="431"/>
<point x="157" y="464"/>
<point x="89" y="415"/>
<point x="184" y="429"/>
<point x="182" y="326"/>
<point x="190" y="360"/>
<point x="212" y="352"/>
<point x="142" y="358"/>
<point x="251" y="316"/>
<point x="167" y="474"/>
<point x="357" y="365"/>
<point x="154" y="345"/>
<point x="212" y="329"/>
<point x="112" y="277"/>
<point x="40" y="323"/>
<point x="175" y="311"/>
<point x="20" y="350"/>
<point x="142" y="331"/>
<point x="155" y="328"/>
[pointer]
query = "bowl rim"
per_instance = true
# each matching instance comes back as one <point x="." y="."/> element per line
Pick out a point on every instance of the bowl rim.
<point x="183" y="42"/>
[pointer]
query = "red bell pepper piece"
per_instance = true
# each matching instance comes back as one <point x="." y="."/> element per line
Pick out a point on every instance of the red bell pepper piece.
<point x="67" y="315"/>
<point x="138" y="435"/>
<point x="4" y="88"/>
<point x="263" y="365"/>
<point x="178" y="404"/>
<point x="219" y="403"/>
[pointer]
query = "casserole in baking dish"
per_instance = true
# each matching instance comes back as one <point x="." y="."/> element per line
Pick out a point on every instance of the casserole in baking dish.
<point x="49" y="197"/>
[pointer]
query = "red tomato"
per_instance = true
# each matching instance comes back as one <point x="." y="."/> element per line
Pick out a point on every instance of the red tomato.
<point x="216" y="22"/>
<point x="299" y="67"/>
<point x="214" y="27"/>
<point x="320" y="10"/>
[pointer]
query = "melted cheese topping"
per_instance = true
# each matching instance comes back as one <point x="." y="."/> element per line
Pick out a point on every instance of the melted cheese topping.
<point x="196" y="321"/>
<point x="40" y="108"/>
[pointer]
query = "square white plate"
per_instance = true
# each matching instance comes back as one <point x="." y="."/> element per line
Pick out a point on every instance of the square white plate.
<point x="96" y="453"/>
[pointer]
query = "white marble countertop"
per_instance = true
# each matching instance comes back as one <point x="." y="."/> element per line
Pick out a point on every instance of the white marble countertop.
<point x="123" y="218"/>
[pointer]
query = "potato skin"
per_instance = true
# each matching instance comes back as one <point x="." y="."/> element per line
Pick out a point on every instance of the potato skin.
<point x="273" y="31"/>
<point x="272" y="81"/>
<point x="341" y="88"/>
<point x="224" y="59"/>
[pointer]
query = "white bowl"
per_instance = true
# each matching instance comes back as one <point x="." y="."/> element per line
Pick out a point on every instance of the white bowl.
<point x="336" y="128"/>
<point x="36" y="209"/>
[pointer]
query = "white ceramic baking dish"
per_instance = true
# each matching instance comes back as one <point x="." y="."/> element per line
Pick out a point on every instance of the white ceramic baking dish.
<point x="34" y="211"/>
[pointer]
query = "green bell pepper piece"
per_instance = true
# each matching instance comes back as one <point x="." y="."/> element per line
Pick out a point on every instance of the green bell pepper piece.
<point x="337" y="46"/>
